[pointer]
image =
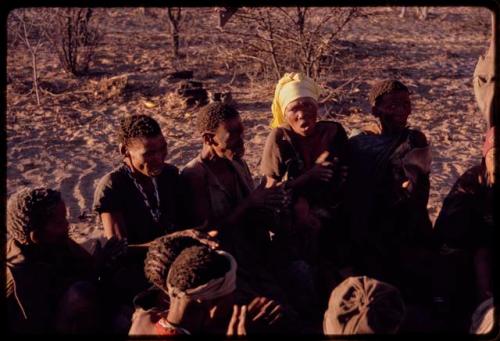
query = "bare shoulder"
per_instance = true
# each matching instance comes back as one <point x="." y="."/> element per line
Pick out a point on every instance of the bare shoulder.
<point x="193" y="171"/>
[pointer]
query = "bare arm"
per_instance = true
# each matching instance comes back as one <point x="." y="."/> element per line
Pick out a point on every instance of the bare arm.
<point x="114" y="225"/>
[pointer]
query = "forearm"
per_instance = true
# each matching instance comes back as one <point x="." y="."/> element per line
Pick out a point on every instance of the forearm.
<point x="236" y="216"/>
<point x="113" y="225"/>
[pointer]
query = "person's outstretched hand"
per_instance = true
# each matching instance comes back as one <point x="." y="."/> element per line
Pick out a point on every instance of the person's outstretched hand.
<point x="237" y="324"/>
<point x="207" y="238"/>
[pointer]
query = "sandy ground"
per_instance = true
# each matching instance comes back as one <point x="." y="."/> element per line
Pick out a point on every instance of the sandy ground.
<point x="69" y="142"/>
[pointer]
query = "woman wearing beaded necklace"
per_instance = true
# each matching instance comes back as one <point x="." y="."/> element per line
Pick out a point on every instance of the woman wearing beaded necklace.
<point x="138" y="200"/>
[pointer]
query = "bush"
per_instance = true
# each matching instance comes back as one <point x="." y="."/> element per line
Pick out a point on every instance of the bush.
<point x="74" y="38"/>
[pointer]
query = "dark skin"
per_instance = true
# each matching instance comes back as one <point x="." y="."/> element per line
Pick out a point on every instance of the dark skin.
<point x="302" y="114"/>
<point x="393" y="109"/>
<point x="145" y="157"/>
<point x="220" y="146"/>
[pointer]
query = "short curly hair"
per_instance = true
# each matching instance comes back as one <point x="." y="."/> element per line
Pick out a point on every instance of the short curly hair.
<point x="195" y="266"/>
<point x="210" y="116"/>
<point x="189" y="262"/>
<point x="384" y="87"/>
<point x="29" y="210"/>
<point x="138" y="126"/>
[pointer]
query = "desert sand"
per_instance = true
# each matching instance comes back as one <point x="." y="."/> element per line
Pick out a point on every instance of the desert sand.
<point x="69" y="141"/>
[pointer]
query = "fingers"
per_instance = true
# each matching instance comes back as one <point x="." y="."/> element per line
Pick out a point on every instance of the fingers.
<point x="213" y="233"/>
<point x="242" y="321"/>
<point x="237" y="324"/>
<point x="264" y="311"/>
<point x="324" y="174"/>
<point x="323" y="156"/>
<point x="275" y="314"/>
<point x="256" y="302"/>
<point x="204" y="238"/>
<point x="233" y="321"/>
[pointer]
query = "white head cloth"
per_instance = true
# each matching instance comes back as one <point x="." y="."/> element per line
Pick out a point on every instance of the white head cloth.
<point x="215" y="288"/>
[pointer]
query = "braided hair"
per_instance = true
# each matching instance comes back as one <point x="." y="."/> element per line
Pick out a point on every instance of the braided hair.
<point x="189" y="262"/>
<point x="136" y="126"/>
<point x="29" y="210"/>
<point x="210" y="116"/>
<point x="384" y="87"/>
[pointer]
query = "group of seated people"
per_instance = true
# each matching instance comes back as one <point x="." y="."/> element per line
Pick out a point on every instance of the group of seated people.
<point x="335" y="237"/>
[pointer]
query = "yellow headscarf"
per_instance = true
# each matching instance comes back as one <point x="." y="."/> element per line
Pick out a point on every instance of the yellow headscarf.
<point x="290" y="87"/>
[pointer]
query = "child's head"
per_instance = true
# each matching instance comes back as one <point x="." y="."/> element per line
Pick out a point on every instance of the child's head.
<point x="198" y="280"/>
<point x="222" y="129"/>
<point x="143" y="144"/>
<point x="37" y="216"/>
<point x="390" y="102"/>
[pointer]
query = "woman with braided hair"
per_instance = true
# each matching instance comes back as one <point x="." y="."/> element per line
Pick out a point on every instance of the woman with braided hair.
<point x="196" y="283"/>
<point x="51" y="281"/>
<point x="138" y="201"/>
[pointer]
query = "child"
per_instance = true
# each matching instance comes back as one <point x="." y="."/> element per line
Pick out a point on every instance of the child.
<point x="51" y="280"/>
<point x="388" y="190"/>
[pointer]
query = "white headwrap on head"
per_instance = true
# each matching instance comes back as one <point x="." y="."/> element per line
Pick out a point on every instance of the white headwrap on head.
<point x="215" y="288"/>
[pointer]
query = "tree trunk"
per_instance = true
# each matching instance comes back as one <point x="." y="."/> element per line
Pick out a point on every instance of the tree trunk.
<point x="35" y="76"/>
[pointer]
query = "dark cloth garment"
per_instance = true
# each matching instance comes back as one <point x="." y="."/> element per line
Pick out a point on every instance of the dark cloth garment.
<point x="36" y="280"/>
<point x="389" y="225"/>
<point x="308" y="242"/>
<point x="466" y="218"/>
<point x="464" y="226"/>
<point x="248" y="241"/>
<point x="286" y="158"/>
<point x="363" y="305"/>
<point x="249" y="235"/>
<point x="282" y="158"/>
<point x="116" y="192"/>
<point x="221" y="200"/>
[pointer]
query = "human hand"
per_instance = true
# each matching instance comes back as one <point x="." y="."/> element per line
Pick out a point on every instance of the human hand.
<point x="322" y="170"/>
<point x="113" y="249"/>
<point x="275" y="197"/>
<point x="263" y="312"/>
<point x="237" y="324"/>
<point x="207" y="239"/>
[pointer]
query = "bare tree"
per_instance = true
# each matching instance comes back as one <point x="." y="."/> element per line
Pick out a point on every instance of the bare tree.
<point x="285" y="39"/>
<point x="73" y="37"/>
<point x="174" y="19"/>
<point x="27" y="27"/>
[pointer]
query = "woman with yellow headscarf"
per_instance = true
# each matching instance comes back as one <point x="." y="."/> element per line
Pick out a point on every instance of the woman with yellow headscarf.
<point x="305" y="155"/>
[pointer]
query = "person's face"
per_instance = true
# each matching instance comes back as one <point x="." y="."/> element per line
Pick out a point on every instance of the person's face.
<point x="147" y="154"/>
<point x="302" y="114"/>
<point x="56" y="229"/>
<point x="228" y="138"/>
<point x="393" y="109"/>
<point x="489" y="160"/>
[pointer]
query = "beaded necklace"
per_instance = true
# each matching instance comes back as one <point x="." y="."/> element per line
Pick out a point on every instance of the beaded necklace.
<point x="155" y="212"/>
